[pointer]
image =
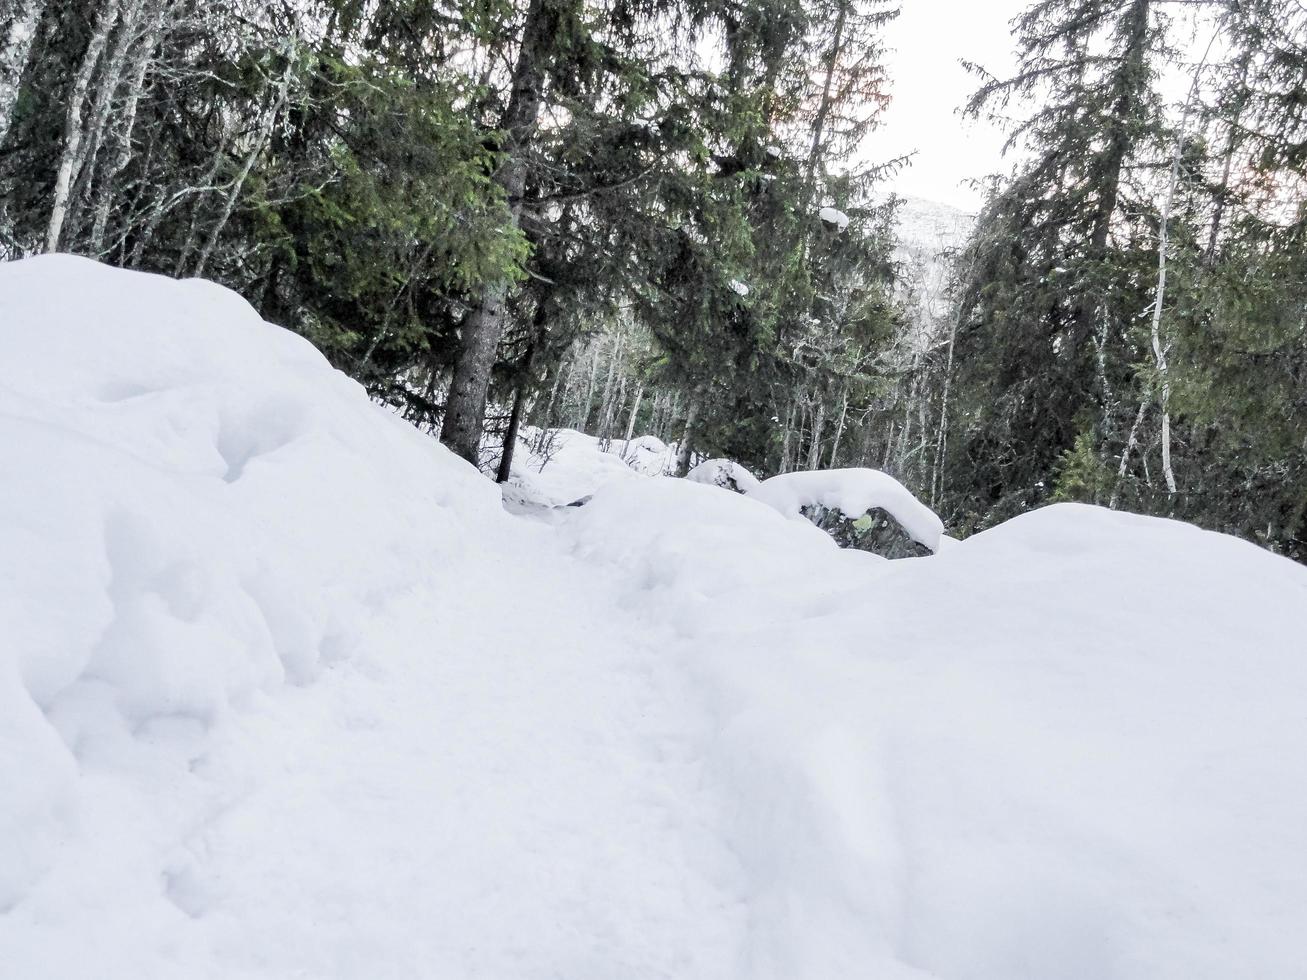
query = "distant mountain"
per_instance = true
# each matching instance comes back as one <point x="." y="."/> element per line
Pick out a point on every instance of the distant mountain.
<point x="929" y="227"/>
<point x="927" y="232"/>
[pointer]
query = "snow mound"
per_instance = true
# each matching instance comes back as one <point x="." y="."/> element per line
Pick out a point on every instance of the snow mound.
<point x="560" y="466"/>
<point x="1065" y="747"/>
<point x="853" y="491"/>
<point x="189" y="517"/>
<point x="724" y="473"/>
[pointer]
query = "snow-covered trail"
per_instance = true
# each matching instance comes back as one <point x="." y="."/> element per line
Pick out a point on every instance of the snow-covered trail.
<point x="472" y="793"/>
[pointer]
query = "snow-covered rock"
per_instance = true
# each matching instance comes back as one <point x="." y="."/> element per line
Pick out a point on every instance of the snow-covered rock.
<point x="875" y="531"/>
<point x="724" y="473"/>
<point x="835" y="498"/>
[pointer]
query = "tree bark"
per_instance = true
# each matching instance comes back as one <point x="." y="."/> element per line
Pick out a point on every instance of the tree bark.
<point x="635" y="411"/>
<point x="484" y="325"/>
<point x="123" y="151"/>
<point x="519" y="401"/>
<point x="70" y="160"/>
<point x="685" y="449"/>
<point x="1163" y="244"/>
<point x="839" y="429"/>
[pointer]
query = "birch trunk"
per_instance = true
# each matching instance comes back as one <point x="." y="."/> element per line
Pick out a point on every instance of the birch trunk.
<point x="635" y="411"/>
<point x="605" y="419"/>
<point x="71" y="159"/>
<point x="941" y="437"/>
<point x="106" y="91"/>
<point x="583" y="411"/>
<point x="818" y="424"/>
<point x="1163" y="244"/>
<point x="123" y="151"/>
<point x="839" y="430"/>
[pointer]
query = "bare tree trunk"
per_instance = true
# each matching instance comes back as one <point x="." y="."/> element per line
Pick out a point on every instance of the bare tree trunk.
<point x="484" y="325"/>
<point x="787" y="439"/>
<point x="941" y="438"/>
<point x="605" y="420"/>
<point x="818" y="423"/>
<point x="123" y="152"/>
<point x="839" y="430"/>
<point x="71" y="159"/>
<point x="1163" y="244"/>
<point x="583" y="412"/>
<point x="111" y="75"/>
<point x="635" y="411"/>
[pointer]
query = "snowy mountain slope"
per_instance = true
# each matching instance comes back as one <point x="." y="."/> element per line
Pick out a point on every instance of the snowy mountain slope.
<point x="927" y="233"/>
<point x="284" y="692"/>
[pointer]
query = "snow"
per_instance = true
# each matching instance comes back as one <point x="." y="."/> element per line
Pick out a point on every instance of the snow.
<point x="853" y="491"/>
<point x="284" y="691"/>
<point x="739" y="288"/>
<point x="724" y="473"/>
<point x="834" y="216"/>
<point x="572" y="465"/>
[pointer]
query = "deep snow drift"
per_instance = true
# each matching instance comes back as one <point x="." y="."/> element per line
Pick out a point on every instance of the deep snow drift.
<point x="285" y="692"/>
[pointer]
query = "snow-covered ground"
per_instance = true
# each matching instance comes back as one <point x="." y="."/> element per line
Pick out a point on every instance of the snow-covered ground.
<point x="286" y="692"/>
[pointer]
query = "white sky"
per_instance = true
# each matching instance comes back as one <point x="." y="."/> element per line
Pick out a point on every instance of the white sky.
<point x="928" y="85"/>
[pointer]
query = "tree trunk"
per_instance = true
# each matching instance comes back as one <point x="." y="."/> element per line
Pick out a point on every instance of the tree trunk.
<point x="605" y="420"/>
<point x="1163" y="244"/>
<point x="635" y="411"/>
<point x="70" y="161"/>
<point x="684" y="450"/>
<point x="818" y="424"/>
<point x="824" y="106"/>
<point x="484" y="325"/>
<point x="839" y="429"/>
<point x="1127" y="83"/>
<point x="515" y="416"/>
<point x="123" y="151"/>
<point x="941" y="438"/>
<point x="583" y="412"/>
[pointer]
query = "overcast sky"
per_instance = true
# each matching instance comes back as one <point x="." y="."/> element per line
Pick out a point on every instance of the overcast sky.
<point x="928" y="86"/>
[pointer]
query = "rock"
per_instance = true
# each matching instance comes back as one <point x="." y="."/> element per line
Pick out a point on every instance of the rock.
<point x="875" y="531"/>
<point x="860" y="508"/>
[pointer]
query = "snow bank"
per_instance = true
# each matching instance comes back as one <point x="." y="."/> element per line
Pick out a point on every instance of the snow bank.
<point x="1066" y="747"/>
<point x="195" y="508"/>
<point x="572" y="465"/>
<point x="853" y="491"/>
